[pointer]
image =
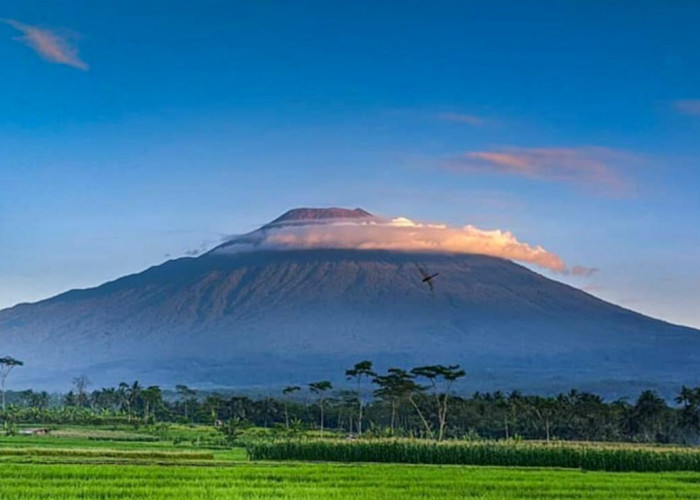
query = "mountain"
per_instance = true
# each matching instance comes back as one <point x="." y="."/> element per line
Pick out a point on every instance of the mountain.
<point x="267" y="317"/>
<point x="307" y="215"/>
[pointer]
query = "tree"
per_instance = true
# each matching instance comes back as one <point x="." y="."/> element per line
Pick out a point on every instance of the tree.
<point x="81" y="383"/>
<point x="129" y="395"/>
<point x="690" y="412"/>
<point x="213" y="404"/>
<point x="70" y="399"/>
<point x="361" y="369"/>
<point x="503" y="403"/>
<point x="398" y="385"/>
<point x="544" y="409"/>
<point x="152" y="398"/>
<point x="6" y="365"/>
<point x="187" y="396"/>
<point x="319" y="388"/>
<point x="36" y="400"/>
<point x="647" y="416"/>
<point x="394" y="387"/>
<point x="290" y="389"/>
<point x="435" y="374"/>
<point x="107" y="399"/>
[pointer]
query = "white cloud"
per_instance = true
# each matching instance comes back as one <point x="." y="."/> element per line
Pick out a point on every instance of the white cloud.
<point x="399" y="234"/>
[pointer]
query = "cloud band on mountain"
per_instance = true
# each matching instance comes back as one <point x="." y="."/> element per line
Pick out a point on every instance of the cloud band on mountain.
<point x="400" y="234"/>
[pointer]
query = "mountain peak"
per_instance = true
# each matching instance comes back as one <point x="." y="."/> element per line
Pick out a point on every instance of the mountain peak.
<point x="316" y="214"/>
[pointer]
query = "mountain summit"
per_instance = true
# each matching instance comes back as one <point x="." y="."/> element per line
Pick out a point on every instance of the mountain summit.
<point x="320" y="214"/>
<point x="269" y="317"/>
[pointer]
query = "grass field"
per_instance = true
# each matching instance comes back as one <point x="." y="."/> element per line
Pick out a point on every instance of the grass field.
<point x="330" y="481"/>
<point x="69" y="464"/>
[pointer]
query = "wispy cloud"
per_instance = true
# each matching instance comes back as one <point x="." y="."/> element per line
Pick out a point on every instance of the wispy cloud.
<point x="461" y="118"/>
<point x="593" y="167"/>
<point x="583" y="271"/>
<point x="687" y="106"/>
<point x="53" y="46"/>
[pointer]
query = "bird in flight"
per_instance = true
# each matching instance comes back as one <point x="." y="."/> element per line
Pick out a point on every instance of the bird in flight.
<point x="427" y="278"/>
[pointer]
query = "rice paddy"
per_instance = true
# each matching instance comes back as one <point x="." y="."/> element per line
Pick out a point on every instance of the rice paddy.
<point x="329" y="481"/>
<point x="68" y="465"/>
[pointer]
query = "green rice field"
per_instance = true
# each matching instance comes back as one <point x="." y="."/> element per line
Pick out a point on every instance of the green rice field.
<point x="330" y="481"/>
<point x="70" y="465"/>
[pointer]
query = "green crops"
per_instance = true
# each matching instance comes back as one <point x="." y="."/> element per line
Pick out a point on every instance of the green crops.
<point x="589" y="457"/>
<point x="332" y="482"/>
<point x="104" y="453"/>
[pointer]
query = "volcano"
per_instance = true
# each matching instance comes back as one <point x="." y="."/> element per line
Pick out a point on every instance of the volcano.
<point x="247" y="314"/>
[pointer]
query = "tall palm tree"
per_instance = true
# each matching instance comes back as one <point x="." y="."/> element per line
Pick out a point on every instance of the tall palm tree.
<point x="319" y="388"/>
<point x="361" y="369"/>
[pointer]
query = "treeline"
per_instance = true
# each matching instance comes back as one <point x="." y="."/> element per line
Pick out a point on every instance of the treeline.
<point x="409" y="403"/>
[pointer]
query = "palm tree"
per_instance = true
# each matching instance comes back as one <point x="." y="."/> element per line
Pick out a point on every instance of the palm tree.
<point x="361" y="369"/>
<point x="647" y="415"/>
<point x="319" y="388"/>
<point x="129" y="395"/>
<point x="187" y="396"/>
<point x="152" y="398"/>
<point x="690" y="413"/>
<point x="290" y="389"/>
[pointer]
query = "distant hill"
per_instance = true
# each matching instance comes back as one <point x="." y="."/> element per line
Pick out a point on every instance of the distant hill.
<point x="273" y="317"/>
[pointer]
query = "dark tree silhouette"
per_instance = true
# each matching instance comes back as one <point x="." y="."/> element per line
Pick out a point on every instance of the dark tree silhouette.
<point x="129" y="395"/>
<point x="436" y="374"/>
<point x="6" y="365"/>
<point x="361" y="369"/>
<point x="187" y="397"/>
<point x="319" y="388"/>
<point x="690" y="412"/>
<point x="290" y="389"/>
<point x="396" y="387"/>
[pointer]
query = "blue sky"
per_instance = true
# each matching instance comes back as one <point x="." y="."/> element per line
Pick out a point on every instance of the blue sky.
<point x="134" y="132"/>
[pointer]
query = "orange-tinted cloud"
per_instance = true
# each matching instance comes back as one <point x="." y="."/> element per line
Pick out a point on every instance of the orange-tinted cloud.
<point x="50" y="45"/>
<point x="687" y="106"/>
<point x="461" y="118"/>
<point x="593" y="167"/>
<point x="399" y="234"/>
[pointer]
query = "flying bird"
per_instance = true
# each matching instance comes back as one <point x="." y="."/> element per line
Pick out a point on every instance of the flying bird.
<point x="427" y="278"/>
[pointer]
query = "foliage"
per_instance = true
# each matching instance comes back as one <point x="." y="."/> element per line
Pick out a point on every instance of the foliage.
<point x="508" y="453"/>
<point x="405" y="403"/>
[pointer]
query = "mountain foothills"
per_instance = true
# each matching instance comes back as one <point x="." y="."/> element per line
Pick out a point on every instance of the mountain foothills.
<point x="253" y="315"/>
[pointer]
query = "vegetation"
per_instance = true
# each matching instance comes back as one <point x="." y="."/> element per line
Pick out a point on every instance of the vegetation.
<point x="68" y="481"/>
<point x="7" y="363"/>
<point x="126" y="461"/>
<point x="511" y="454"/>
<point x="419" y="403"/>
<point x="66" y="465"/>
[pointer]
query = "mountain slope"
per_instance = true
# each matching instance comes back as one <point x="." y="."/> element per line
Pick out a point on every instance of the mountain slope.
<point x="275" y="317"/>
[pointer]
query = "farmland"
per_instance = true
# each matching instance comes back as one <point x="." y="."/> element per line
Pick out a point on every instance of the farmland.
<point x="75" y="463"/>
<point x="292" y="481"/>
<point x="628" y="458"/>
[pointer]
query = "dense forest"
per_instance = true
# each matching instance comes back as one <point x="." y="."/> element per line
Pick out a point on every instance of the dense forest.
<point x="419" y="402"/>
